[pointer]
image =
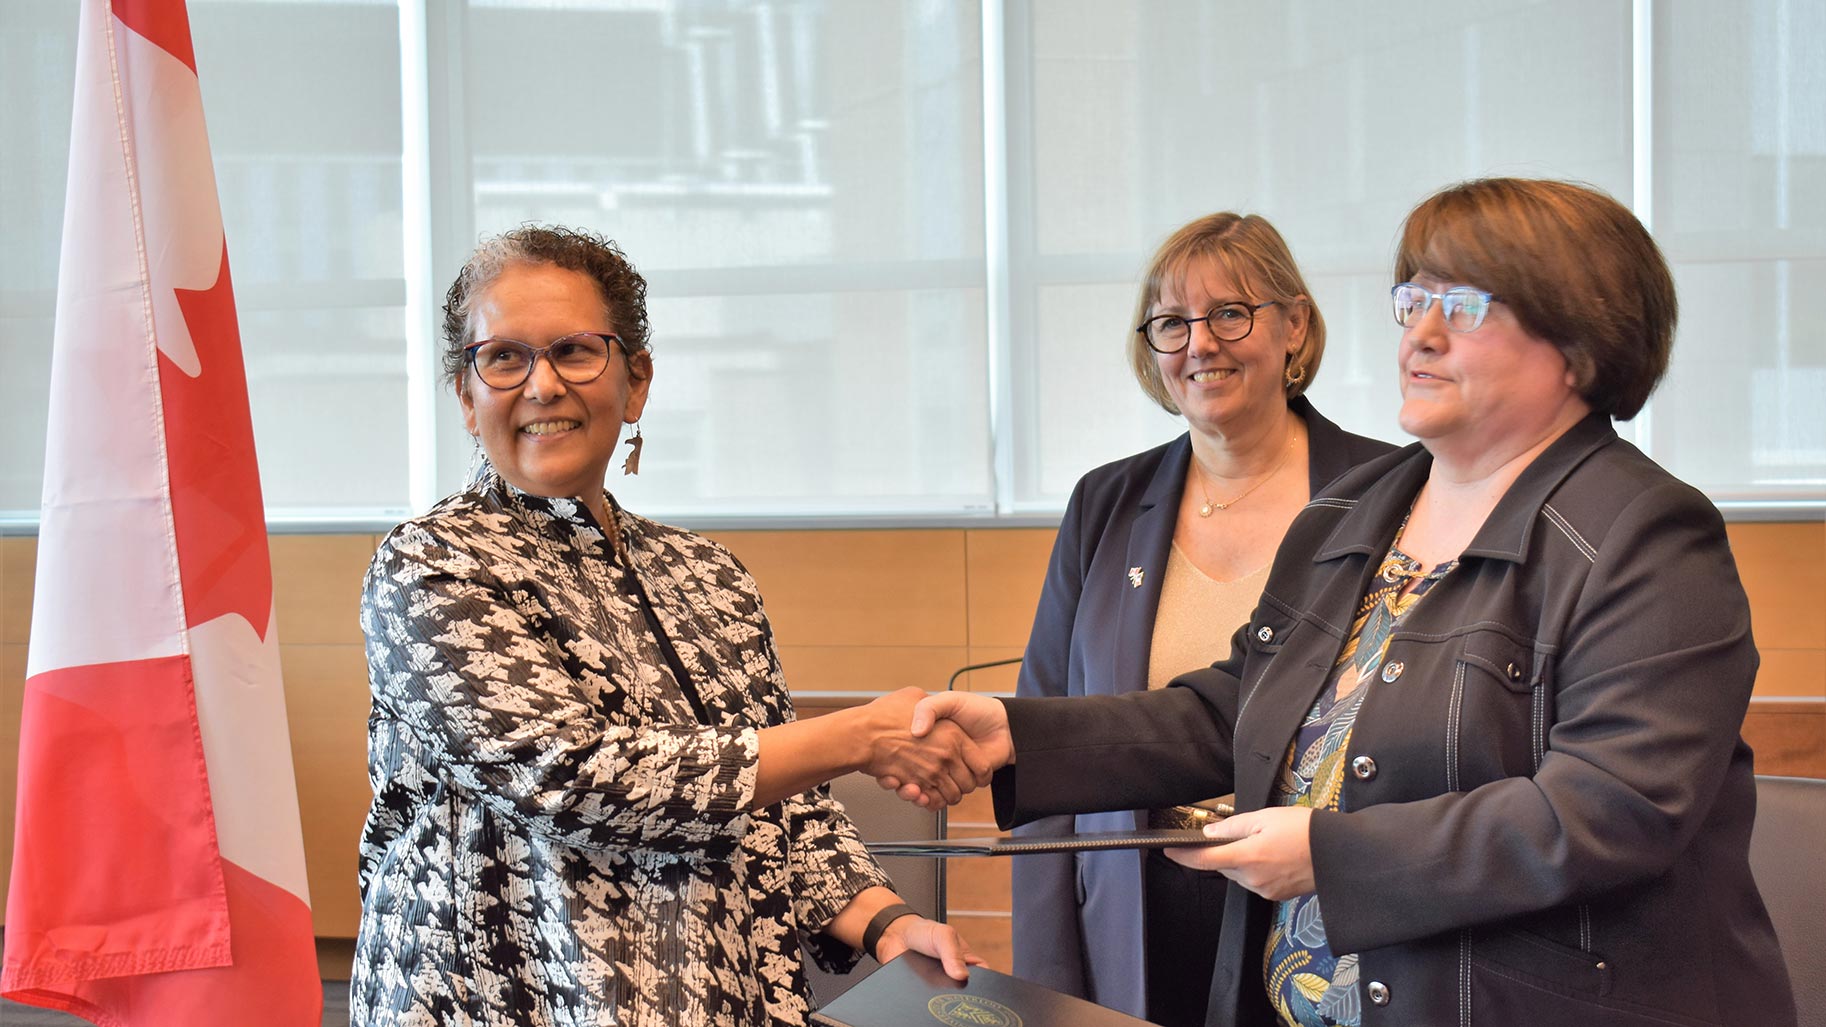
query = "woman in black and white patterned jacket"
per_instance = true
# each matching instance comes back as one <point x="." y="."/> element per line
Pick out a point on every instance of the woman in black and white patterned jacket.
<point x="592" y="803"/>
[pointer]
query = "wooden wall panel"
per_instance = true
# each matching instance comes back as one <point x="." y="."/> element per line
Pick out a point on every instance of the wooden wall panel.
<point x="317" y="595"/>
<point x="326" y="709"/>
<point x="1783" y="567"/>
<point x="977" y="890"/>
<point x="976" y="814"/>
<point x="852" y="611"/>
<point x="977" y="885"/>
<point x="18" y="559"/>
<point x="871" y="668"/>
<point x="317" y="587"/>
<point x="989" y="936"/>
<point x="992" y="679"/>
<point x="1788" y="737"/>
<point x="1784" y="572"/>
<point x="1007" y="567"/>
<point x="17" y="556"/>
<point x="876" y="588"/>
<point x="1797" y="673"/>
<point x="12" y="693"/>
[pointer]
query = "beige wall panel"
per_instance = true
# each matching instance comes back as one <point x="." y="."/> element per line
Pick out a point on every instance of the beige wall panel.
<point x="1784" y="569"/>
<point x="853" y="610"/>
<point x="994" y="679"/>
<point x="317" y="586"/>
<point x="971" y="817"/>
<point x="1792" y="673"/>
<point x="12" y="695"/>
<point x="978" y="885"/>
<point x="1788" y="737"/>
<point x="18" y="561"/>
<point x="868" y="668"/>
<point x="989" y="936"/>
<point x="326" y="706"/>
<point x="1007" y="568"/>
<point x="893" y="588"/>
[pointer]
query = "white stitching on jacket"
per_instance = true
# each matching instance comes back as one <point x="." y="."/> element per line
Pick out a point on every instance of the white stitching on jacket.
<point x="1578" y="541"/>
<point x="1464" y="977"/>
<point x="1454" y="708"/>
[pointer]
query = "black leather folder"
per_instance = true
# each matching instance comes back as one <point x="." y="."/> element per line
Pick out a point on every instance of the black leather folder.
<point x="913" y="991"/>
<point x="1018" y="845"/>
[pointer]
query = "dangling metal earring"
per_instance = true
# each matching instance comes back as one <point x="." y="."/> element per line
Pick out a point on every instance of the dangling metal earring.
<point x="475" y="456"/>
<point x="1294" y="374"/>
<point x="632" y="464"/>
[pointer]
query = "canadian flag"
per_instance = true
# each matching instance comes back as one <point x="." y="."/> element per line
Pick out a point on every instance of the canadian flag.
<point x="158" y="872"/>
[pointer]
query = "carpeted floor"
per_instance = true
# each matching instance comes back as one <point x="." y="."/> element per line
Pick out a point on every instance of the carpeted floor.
<point x="12" y="1014"/>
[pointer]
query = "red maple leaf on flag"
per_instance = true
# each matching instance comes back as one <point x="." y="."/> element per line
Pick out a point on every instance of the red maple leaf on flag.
<point x="216" y="504"/>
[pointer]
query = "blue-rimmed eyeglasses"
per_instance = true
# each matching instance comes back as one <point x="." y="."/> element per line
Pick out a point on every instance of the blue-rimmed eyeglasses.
<point x="1464" y="307"/>
<point x="1229" y="322"/>
<point x="579" y="358"/>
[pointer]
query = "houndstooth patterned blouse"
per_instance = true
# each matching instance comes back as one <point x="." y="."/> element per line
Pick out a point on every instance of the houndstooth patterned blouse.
<point x="556" y="837"/>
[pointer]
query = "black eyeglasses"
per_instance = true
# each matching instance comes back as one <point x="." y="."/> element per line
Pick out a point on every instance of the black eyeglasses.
<point x="1228" y="322"/>
<point x="579" y="358"/>
<point x="1464" y="307"/>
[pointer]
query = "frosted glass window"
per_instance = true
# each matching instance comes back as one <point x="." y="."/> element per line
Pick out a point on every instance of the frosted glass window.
<point x="767" y="404"/>
<point x="1134" y="117"/>
<point x="306" y="138"/>
<point x="37" y="60"/>
<point x="306" y="144"/>
<point x="804" y="181"/>
<point x="802" y="184"/>
<point x="1740" y="207"/>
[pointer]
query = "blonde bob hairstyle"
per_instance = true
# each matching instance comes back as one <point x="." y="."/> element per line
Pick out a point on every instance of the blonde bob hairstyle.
<point x="1247" y="249"/>
<point x="1574" y="266"/>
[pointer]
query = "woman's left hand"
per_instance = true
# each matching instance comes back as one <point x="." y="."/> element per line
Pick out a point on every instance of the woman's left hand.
<point x="929" y="937"/>
<point x="1270" y="854"/>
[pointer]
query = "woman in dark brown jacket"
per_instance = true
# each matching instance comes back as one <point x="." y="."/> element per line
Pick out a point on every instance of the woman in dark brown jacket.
<point x="1484" y="721"/>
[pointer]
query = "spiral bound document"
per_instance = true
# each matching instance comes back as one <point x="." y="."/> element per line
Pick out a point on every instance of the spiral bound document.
<point x="1020" y="845"/>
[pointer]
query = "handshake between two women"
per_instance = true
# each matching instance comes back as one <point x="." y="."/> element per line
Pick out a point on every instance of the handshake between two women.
<point x="931" y="749"/>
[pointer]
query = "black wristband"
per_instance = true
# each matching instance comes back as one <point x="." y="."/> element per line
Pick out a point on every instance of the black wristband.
<point x="871" y="935"/>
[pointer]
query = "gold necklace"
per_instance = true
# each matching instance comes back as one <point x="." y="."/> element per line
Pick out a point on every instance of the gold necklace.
<point x="1206" y="510"/>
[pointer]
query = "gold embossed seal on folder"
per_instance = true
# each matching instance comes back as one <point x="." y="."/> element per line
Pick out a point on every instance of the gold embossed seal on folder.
<point x="971" y="1011"/>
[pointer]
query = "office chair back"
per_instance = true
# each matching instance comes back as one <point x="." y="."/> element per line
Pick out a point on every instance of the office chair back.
<point x="1788" y="859"/>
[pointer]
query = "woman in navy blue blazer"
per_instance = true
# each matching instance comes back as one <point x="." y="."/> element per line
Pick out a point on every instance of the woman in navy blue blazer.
<point x="1159" y="557"/>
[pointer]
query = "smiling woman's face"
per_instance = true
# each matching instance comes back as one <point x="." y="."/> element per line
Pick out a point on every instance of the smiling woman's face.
<point x="548" y="436"/>
<point x="1220" y="386"/>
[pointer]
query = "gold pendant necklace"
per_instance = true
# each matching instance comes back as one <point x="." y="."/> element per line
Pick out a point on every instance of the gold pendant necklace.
<point x="1210" y="507"/>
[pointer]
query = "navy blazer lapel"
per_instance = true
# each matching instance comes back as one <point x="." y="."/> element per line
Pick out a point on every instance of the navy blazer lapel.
<point x="1145" y="563"/>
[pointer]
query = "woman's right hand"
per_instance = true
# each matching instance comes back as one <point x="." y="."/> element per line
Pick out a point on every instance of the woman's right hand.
<point x="943" y="763"/>
<point x="982" y="720"/>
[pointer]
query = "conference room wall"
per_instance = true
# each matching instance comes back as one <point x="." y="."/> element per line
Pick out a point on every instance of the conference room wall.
<point x="854" y="611"/>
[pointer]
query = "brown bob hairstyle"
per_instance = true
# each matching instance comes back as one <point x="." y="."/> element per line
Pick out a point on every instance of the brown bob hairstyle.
<point x="624" y="291"/>
<point x="1255" y="257"/>
<point x="1575" y="267"/>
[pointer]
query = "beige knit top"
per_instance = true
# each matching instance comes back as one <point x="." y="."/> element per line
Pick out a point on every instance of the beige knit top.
<point x="1196" y="617"/>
